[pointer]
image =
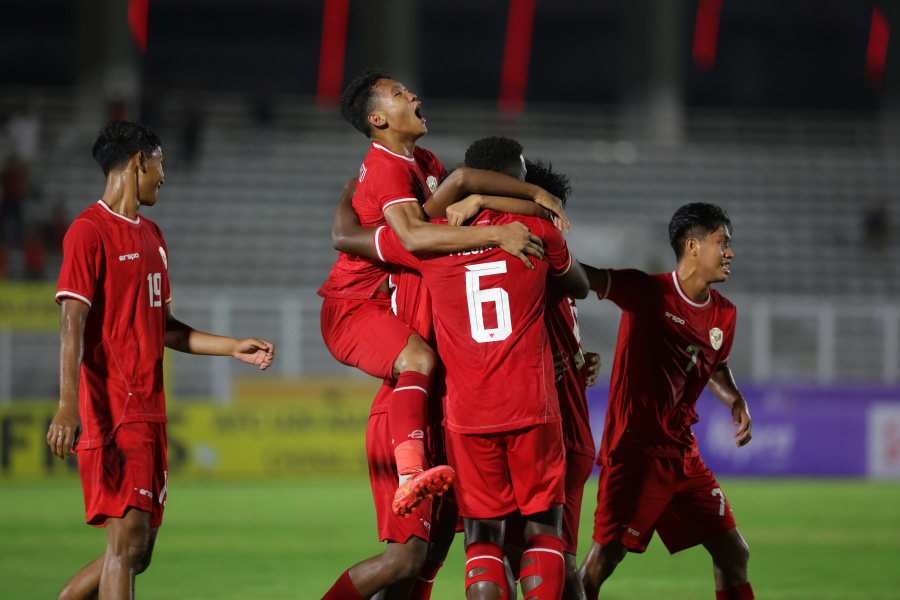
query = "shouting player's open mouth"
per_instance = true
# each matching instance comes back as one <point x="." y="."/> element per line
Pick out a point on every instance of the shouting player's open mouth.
<point x="419" y="113"/>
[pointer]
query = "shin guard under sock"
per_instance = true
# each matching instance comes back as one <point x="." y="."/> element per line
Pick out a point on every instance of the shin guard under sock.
<point x="488" y="556"/>
<point x="543" y="558"/>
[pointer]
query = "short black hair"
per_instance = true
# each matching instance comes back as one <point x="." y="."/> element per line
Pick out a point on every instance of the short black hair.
<point x="495" y="153"/>
<point x="357" y="100"/>
<point x="120" y="140"/>
<point x="695" y="220"/>
<point x="543" y="175"/>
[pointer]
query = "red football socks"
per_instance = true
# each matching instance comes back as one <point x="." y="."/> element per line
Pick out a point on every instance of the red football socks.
<point x="425" y="581"/>
<point x="488" y="556"/>
<point x="343" y="589"/>
<point x="737" y="592"/>
<point x="406" y="420"/>
<point x="543" y="559"/>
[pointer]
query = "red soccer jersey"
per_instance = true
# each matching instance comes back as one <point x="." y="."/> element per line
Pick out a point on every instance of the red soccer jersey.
<point x="667" y="349"/>
<point x="489" y="325"/>
<point x="119" y="268"/>
<point x="385" y="179"/>
<point x="561" y="319"/>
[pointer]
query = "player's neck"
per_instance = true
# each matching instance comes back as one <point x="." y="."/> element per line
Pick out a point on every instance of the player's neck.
<point x="404" y="146"/>
<point x="120" y="194"/>
<point x="692" y="283"/>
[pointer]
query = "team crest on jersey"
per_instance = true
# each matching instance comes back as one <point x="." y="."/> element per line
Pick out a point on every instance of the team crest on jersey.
<point x="432" y="183"/>
<point x="162" y="253"/>
<point x="715" y="338"/>
<point x="362" y="172"/>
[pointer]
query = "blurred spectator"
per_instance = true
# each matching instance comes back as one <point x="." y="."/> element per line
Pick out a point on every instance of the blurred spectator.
<point x="56" y="229"/>
<point x="876" y="227"/>
<point x="13" y="182"/>
<point x="24" y="131"/>
<point x="35" y="255"/>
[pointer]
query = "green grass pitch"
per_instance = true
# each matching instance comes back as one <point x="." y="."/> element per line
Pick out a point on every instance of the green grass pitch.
<point x="809" y="539"/>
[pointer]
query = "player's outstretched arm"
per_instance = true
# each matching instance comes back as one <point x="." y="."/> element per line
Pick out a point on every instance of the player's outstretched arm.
<point x="184" y="338"/>
<point x="347" y="234"/>
<point x="575" y="281"/>
<point x="65" y="428"/>
<point x="723" y="386"/>
<point x="418" y="235"/>
<point x="468" y="207"/>
<point x="598" y="279"/>
<point x="465" y="181"/>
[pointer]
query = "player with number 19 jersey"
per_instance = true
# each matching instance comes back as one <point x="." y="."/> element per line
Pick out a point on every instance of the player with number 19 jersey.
<point x="667" y="349"/>
<point x="119" y="268"/>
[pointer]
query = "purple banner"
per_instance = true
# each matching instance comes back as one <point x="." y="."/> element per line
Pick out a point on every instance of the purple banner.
<point x="797" y="430"/>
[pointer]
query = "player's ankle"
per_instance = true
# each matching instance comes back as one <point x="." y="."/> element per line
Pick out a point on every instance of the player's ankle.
<point x="410" y="457"/>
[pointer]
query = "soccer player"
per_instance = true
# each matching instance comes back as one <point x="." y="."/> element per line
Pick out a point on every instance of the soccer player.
<point x="575" y="369"/>
<point x="501" y="413"/>
<point x="396" y="182"/>
<point x="674" y="339"/>
<point x="116" y="318"/>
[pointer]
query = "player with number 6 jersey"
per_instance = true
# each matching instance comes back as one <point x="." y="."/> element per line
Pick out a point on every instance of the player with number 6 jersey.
<point x="501" y="412"/>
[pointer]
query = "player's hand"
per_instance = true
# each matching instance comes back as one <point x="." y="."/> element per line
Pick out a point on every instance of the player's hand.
<point x="592" y="364"/>
<point x="742" y="421"/>
<point x="460" y="212"/>
<point x="64" y="431"/>
<point x="516" y="239"/>
<point x="255" y="352"/>
<point x="554" y="205"/>
<point x="560" y="364"/>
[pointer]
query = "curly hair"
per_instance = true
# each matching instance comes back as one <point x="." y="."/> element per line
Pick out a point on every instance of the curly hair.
<point x="543" y="175"/>
<point x="119" y="141"/>
<point x="500" y="154"/>
<point x="358" y="99"/>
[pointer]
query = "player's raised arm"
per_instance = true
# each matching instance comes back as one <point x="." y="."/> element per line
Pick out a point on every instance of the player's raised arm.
<point x="723" y="386"/>
<point x="407" y="219"/>
<point x="465" y="181"/>
<point x="460" y="212"/>
<point x="184" y="338"/>
<point x="65" y="428"/>
<point x="347" y="234"/>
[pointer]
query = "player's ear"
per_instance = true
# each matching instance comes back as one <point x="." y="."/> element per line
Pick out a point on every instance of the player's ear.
<point x="691" y="246"/>
<point x="377" y="120"/>
<point x="141" y="161"/>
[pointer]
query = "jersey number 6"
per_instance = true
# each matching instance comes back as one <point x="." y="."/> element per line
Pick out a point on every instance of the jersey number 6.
<point x="477" y="297"/>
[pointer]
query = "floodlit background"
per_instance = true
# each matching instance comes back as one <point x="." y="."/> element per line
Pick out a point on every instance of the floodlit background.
<point x="784" y="112"/>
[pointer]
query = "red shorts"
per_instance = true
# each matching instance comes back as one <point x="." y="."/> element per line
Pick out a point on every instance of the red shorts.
<point x="578" y="469"/>
<point x="131" y="471"/>
<point x="364" y="334"/>
<point x="499" y="473"/>
<point x="677" y="497"/>
<point x="384" y="479"/>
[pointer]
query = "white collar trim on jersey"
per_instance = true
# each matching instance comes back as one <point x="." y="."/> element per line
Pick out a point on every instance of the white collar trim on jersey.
<point x="684" y="296"/>
<point x="406" y="158"/>
<point x="112" y="212"/>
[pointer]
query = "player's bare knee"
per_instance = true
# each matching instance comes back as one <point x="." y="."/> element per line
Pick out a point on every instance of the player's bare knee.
<point x="405" y="560"/>
<point x="417" y="356"/>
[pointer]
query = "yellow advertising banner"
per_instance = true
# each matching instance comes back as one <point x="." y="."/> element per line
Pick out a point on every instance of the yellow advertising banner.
<point x="28" y="307"/>
<point x="321" y="431"/>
